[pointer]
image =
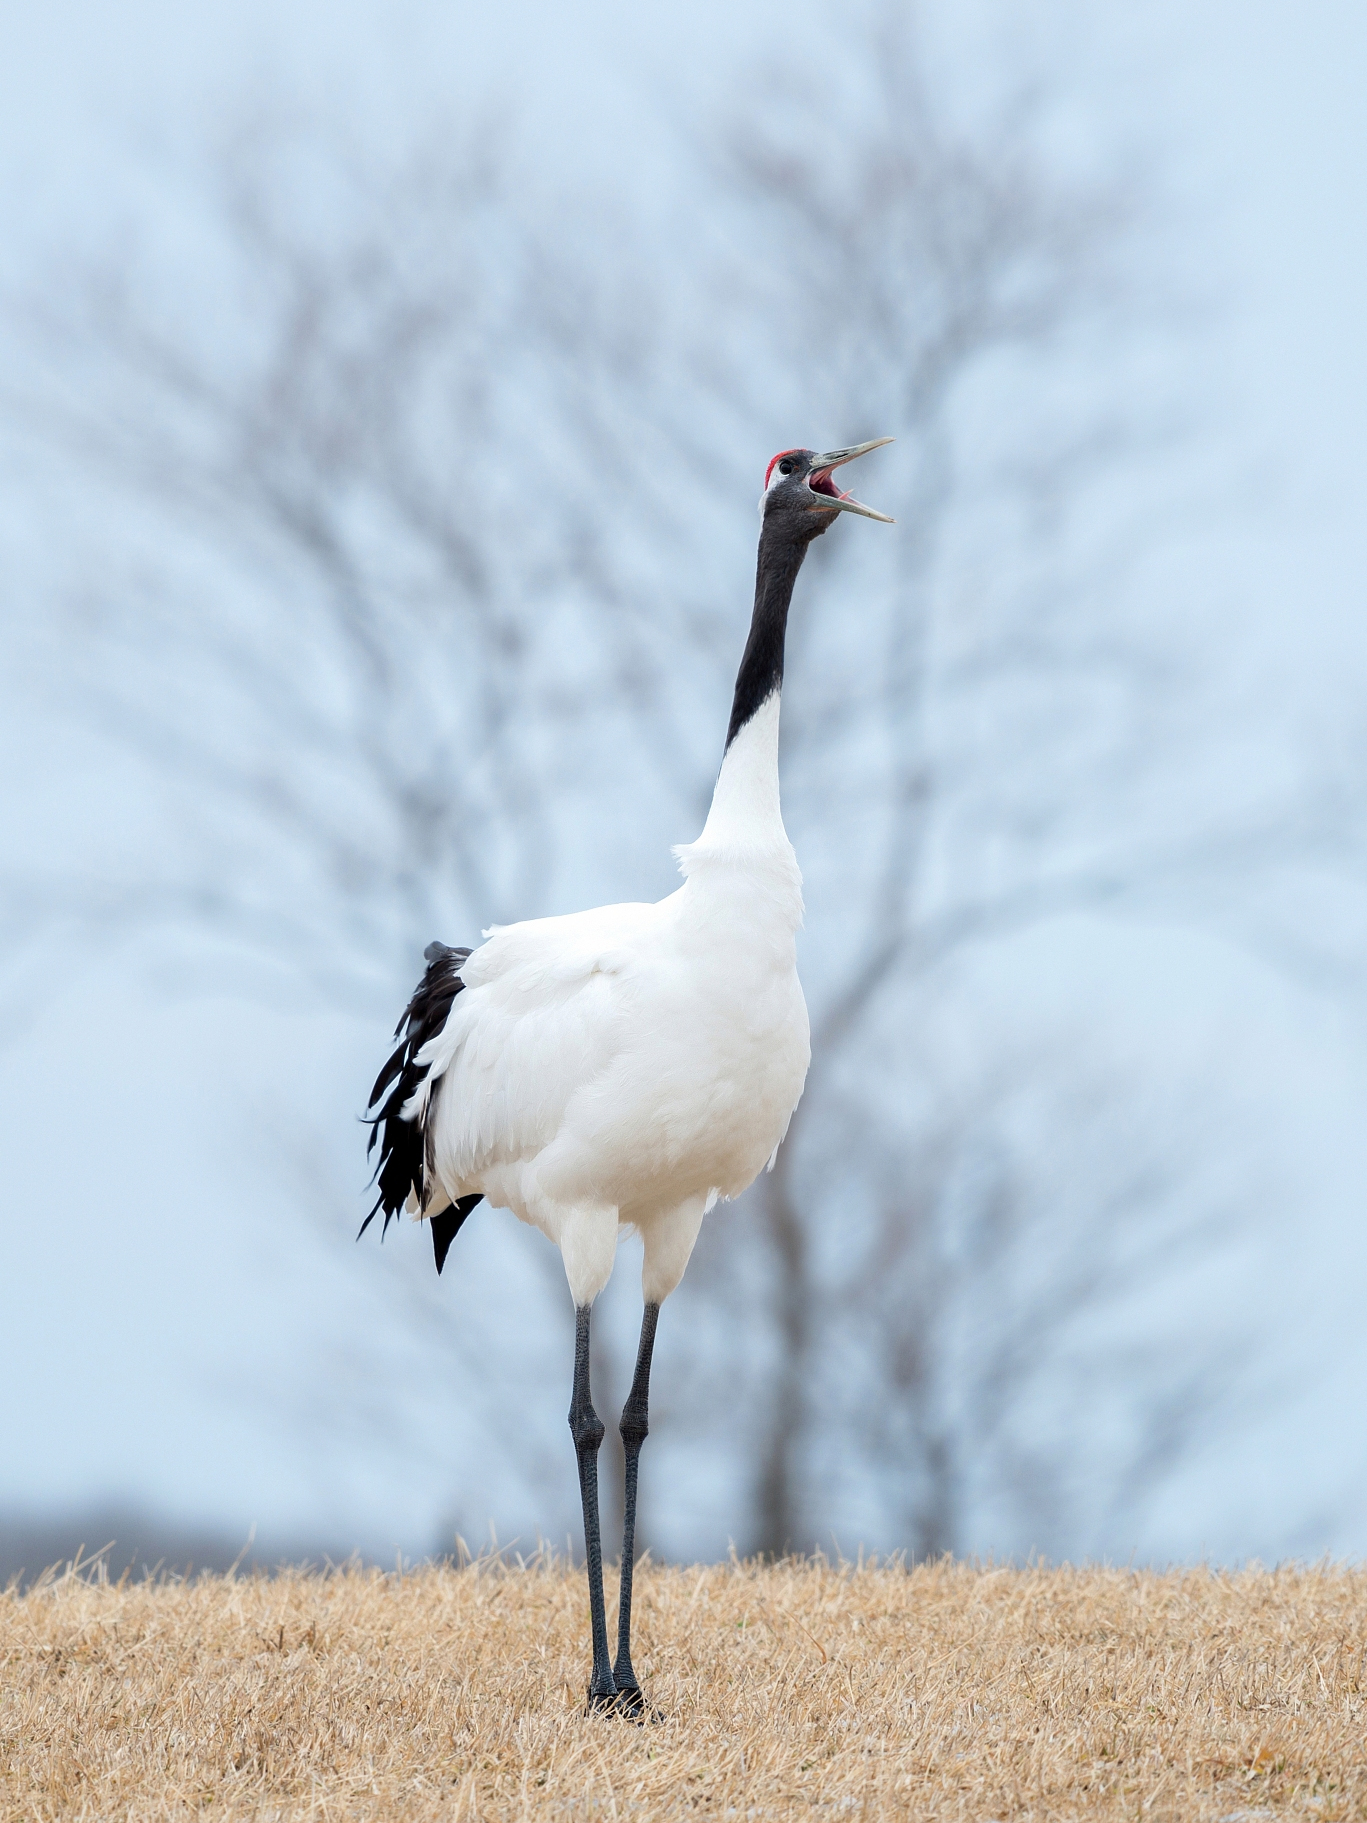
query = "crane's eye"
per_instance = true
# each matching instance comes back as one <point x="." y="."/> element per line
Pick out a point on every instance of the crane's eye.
<point x="785" y="468"/>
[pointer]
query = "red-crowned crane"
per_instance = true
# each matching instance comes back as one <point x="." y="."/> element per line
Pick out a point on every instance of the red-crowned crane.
<point x="629" y="1066"/>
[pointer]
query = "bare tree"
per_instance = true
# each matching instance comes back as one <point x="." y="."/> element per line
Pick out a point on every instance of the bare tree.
<point x="403" y="639"/>
<point x="356" y="635"/>
<point x="971" y="731"/>
<point x="385" y="554"/>
<point x="1002" y="1282"/>
<point x="904" y="262"/>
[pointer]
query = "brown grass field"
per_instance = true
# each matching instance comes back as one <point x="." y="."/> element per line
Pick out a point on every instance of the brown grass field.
<point x="795" y="1690"/>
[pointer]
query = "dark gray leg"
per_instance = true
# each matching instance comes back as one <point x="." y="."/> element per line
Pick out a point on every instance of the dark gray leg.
<point x="635" y="1427"/>
<point x="586" y="1427"/>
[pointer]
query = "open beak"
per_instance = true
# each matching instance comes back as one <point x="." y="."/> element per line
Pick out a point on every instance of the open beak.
<point x="829" y="495"/>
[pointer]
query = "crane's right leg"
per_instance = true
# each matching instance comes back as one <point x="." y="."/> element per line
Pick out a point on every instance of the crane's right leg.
<point x="635" y="1429"/>
<point x="586" y="1427"/>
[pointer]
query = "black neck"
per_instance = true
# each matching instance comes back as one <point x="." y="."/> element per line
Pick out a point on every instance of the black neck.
<point x="761" y="666"/>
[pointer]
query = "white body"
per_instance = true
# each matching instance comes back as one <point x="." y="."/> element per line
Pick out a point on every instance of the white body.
<point x="627" y="1067"/>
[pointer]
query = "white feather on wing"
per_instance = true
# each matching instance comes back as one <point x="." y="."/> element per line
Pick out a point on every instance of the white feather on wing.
<point x="545" y="1011"/>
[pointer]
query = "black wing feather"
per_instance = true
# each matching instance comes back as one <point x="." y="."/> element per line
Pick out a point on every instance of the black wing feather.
<point x="404" y="1143"/>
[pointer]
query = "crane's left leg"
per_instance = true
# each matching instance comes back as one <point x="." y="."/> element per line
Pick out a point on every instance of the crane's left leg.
<point x="635" y="1427"/>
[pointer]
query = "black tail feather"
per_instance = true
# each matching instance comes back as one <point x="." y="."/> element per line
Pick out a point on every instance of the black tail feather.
<point x="403" y="1142"/>
<point x="446" y="1226"/>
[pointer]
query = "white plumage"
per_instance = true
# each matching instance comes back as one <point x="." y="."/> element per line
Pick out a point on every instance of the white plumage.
<point x="631" y="1065"/>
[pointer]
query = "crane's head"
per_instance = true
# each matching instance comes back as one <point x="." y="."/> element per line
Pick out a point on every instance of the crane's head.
<point x="799" y="490"/>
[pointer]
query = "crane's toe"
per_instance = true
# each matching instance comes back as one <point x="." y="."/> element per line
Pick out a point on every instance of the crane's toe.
<point x="629" y="1704"/>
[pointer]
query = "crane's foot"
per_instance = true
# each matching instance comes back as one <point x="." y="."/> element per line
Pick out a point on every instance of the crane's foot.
<point x="628" y="1703"/>
<point x="602" y="1696"/>
<point x="632" y="1705"/>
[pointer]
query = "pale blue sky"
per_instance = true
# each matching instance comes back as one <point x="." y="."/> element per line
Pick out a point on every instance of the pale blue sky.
<point x="153" y="1327"/>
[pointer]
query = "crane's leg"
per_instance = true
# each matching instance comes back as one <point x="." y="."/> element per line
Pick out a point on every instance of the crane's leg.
<point x="586" y="1427"/>
<point x="635" y="1428"/>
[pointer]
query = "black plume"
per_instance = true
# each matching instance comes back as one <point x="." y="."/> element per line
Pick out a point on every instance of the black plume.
<point x="403" y="1142"/>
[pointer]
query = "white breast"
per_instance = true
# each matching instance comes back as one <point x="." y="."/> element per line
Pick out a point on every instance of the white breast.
<point x="636" y="1056"/>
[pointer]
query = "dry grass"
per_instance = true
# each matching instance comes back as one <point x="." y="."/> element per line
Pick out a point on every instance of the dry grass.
<point x="794" y="1690"/>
